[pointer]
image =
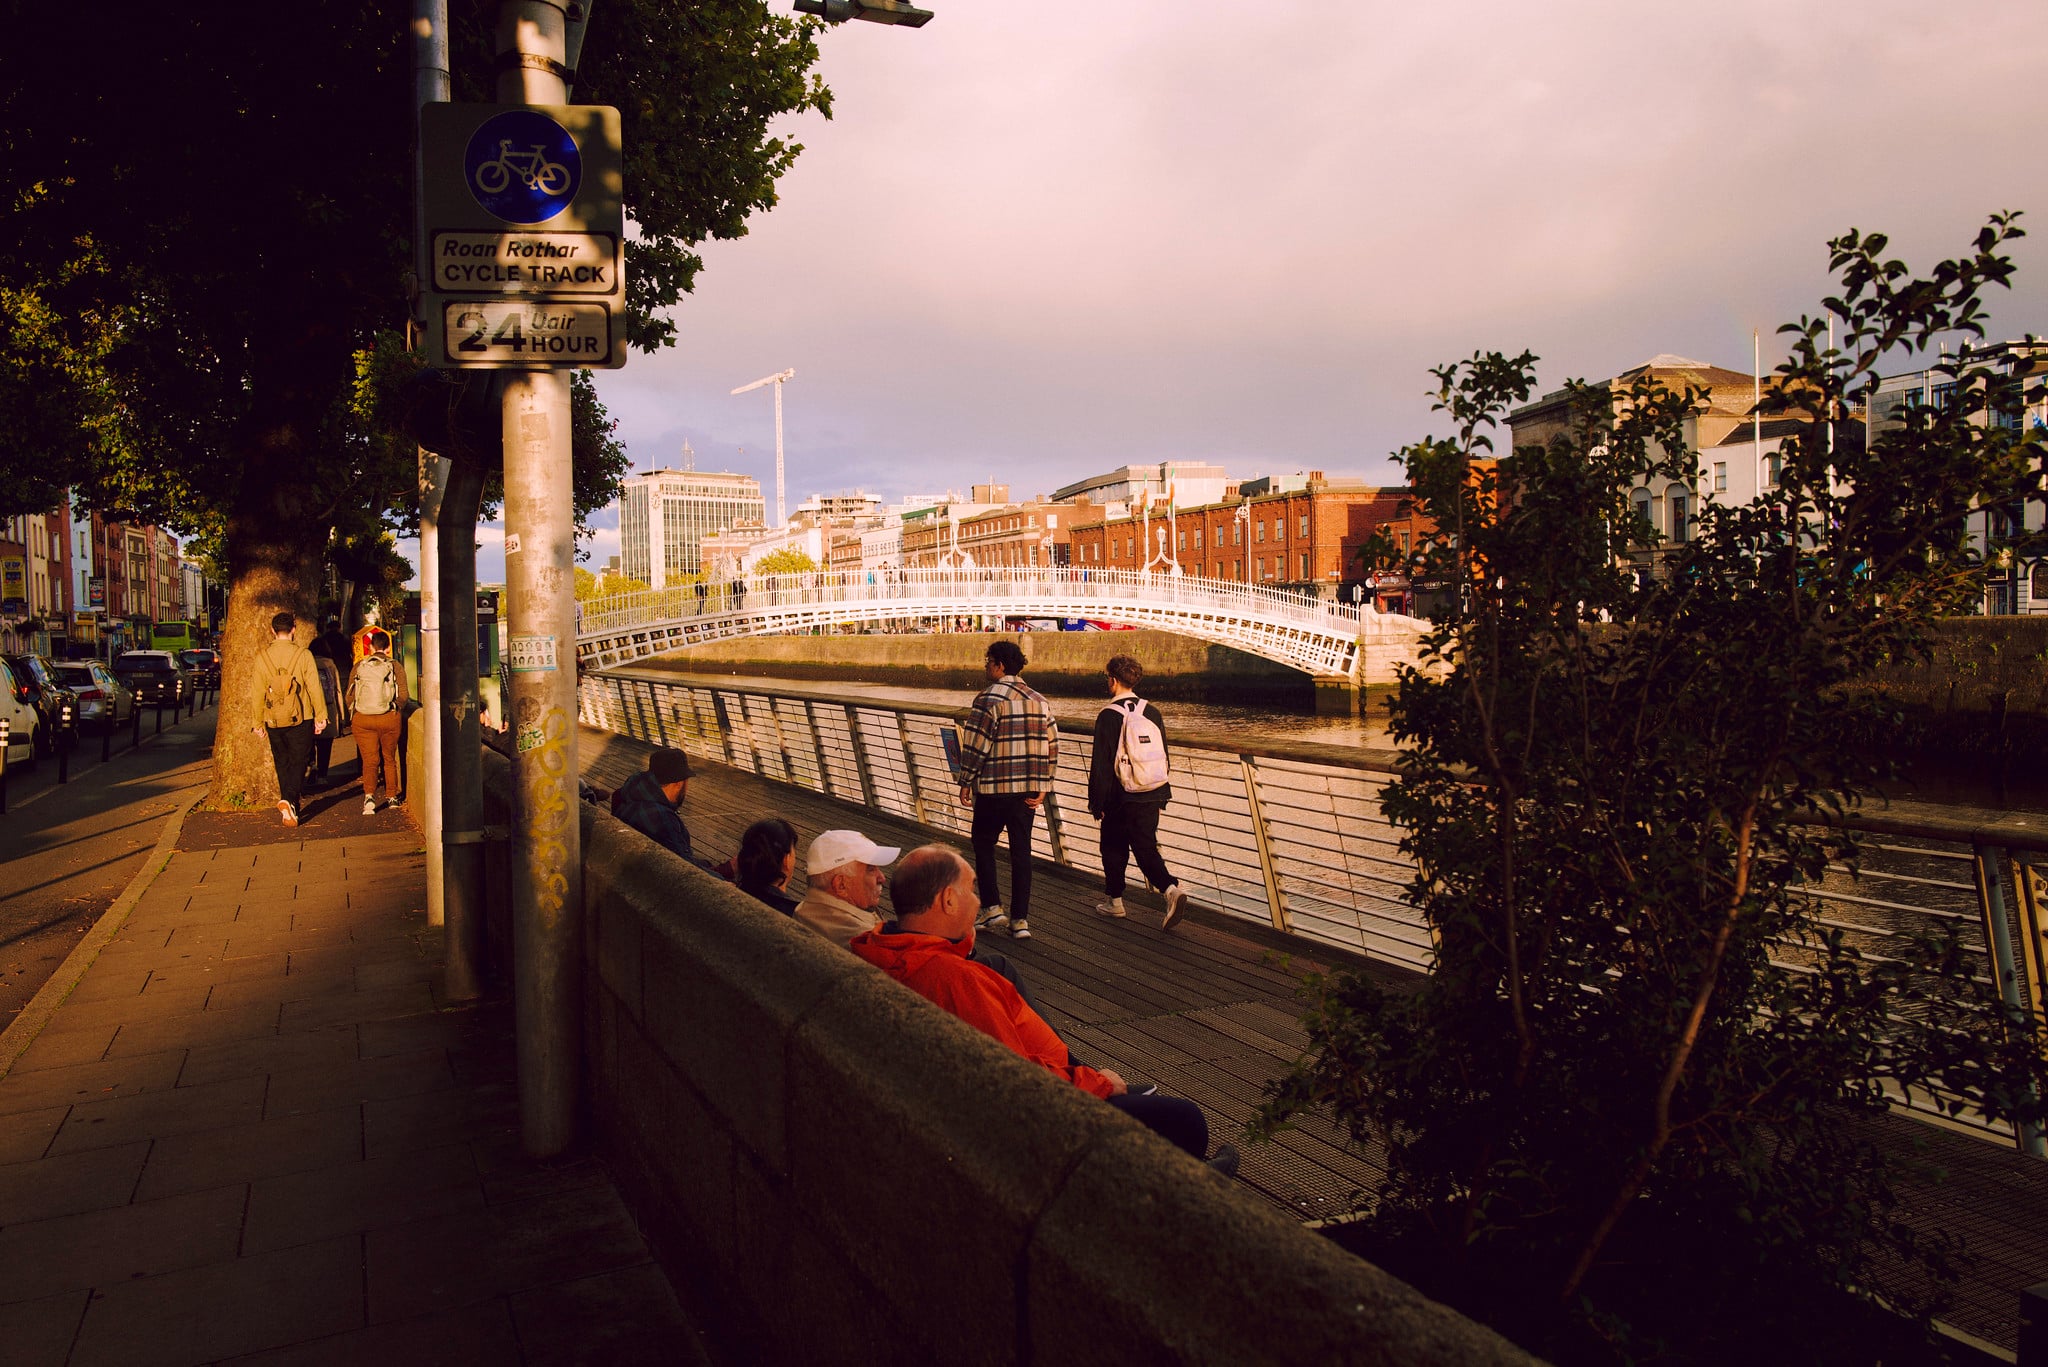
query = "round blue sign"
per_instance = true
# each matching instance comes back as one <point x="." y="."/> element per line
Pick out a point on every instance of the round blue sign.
<point x="522" y="166"/>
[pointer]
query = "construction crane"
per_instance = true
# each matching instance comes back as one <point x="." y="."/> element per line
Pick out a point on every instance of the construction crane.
<point x="777" y="380"/>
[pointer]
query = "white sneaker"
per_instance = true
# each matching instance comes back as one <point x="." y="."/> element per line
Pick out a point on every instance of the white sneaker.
<point x="369" y="806"/>
<point x="1020" y="930"/>
<point x="1176" y="903"/>
<point x="991" y="918"/>
<point x="285" y="813"/>
<point x="1113" y="907"/>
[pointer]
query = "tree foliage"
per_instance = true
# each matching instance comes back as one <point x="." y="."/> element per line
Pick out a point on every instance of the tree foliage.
<point x="1638" y="1095"/>
<point x="786" y="560"/>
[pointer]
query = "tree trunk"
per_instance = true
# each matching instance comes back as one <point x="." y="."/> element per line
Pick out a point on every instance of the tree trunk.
<point x="273" y="567"/>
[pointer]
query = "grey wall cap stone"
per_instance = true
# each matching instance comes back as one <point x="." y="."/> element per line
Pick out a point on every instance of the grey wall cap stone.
<point x="932" y="1146"/>
<point x="1145" y="1262"/>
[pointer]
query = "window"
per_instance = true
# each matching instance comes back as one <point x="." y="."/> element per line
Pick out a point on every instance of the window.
<point x="1304" y="526"/>
<point x="1720" y="476"/>
<point x="1681" y="522"/>
<point x="1130" y="545"/>
<point x="1643" y="508"/>
<point x="1261" y="535"/>
<point x="1237" y="533"/>
<point x="2037" y="588"/>
<point x="1401" y="539"/>
<point x="1198" y="538"/>
<point x="1180" y="541"/>
<point x="1304" y="565"/>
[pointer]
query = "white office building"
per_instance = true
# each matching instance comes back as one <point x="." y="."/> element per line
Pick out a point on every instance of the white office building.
<point x="665" y="515"/>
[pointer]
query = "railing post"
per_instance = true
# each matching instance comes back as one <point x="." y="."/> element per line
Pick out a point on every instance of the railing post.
<point x="910" y="767"/>
<point x="1054" y="835"/>
<point x="818" y="748"/>
<point x="654" y="700"/>
<point x="860" y="759"/>
<point x="1998" y="935"/>
<point x="2024" y="875"/>
<point x="781" y="742"/>
<point x="1276" y="905"/>
<point x="723" y="716"/>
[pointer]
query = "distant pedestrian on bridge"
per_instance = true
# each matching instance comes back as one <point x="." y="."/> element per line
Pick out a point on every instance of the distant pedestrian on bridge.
<point x="702" y="589"/>
<point x="1127" y="790"/>
<point x="1009" y="751"/>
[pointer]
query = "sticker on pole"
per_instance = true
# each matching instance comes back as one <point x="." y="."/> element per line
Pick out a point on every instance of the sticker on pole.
<point x="522" y="166"/>
<point x="531" y="654"/>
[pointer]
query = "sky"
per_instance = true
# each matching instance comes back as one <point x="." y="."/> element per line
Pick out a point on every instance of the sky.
<point x="1038" y="241"/>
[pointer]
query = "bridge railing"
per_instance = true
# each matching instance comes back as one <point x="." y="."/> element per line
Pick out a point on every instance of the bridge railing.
<point x="1055" y="587"/>
<point x="1291" y="835"/>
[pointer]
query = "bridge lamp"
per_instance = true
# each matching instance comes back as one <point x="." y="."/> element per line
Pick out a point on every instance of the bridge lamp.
<point x="874" y="11"/>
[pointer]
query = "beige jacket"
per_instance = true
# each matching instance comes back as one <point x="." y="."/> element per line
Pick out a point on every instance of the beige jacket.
<point x="834" y="918"/>
<point x="280" y="655"/>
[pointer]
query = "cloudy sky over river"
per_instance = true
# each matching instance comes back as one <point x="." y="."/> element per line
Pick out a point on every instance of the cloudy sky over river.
<point x="1041" y="240"/>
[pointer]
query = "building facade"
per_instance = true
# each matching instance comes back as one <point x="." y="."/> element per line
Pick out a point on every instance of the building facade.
<point x="1033" y="535"/>
<point x="1186" y="482"/>
<point x="1302" y="533"/>
<point x="665" y="515"/>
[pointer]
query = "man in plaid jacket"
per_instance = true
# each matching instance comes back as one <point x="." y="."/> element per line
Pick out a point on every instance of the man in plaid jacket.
<point x="1009" y="748"/>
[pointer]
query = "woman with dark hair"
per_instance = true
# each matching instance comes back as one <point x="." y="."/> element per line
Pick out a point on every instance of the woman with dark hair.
<point x="765" y="862"/>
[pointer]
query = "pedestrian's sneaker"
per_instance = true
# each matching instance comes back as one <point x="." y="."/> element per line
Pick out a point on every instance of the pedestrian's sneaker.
<point x="1020" y="930"/>
<point x="286" y="814"/>
<point x="1225" y="1159"/>
<point x="1113" y="907"/>
<point x="1176" y="903"/>
<point x="991" y="918"/>
<point x="369" y="806"/>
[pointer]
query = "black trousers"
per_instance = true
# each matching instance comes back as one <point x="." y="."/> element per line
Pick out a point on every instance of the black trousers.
<point x="1177" y="1120"/>
<point x="290" y="746"/>
<point x="1132" y="828"/>
<point x="994" y="815"/>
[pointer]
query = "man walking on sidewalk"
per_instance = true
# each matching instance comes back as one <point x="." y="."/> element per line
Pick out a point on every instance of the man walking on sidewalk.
<point x="1127" y="790"/>
<point x="1009" y="750"/>
<point x="376" y="700"/>
<point x="286" y="696"/>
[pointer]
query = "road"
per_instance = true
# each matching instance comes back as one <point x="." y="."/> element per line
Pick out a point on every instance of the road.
<point x="67" y="850"/>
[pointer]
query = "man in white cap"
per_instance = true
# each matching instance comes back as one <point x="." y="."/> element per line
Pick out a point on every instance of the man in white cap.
<point x="845" y="887"/>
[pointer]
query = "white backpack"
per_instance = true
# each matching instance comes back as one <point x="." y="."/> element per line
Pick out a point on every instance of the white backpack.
<point x="374" y="688"/>
<point x="1141" y="750"/>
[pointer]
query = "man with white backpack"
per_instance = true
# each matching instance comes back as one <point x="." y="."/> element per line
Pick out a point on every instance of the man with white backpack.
<point x="1127" y="789"/>
<point x="376" y="699"/>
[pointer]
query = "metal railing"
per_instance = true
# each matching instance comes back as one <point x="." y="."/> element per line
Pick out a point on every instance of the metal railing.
<point x="1291" y="835"/>
<point x="1309" y="634"/>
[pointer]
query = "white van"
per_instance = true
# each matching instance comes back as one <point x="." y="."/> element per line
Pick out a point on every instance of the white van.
<point x="21" y="718"/>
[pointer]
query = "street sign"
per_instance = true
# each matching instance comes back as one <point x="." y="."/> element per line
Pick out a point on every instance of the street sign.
<point x="525" y="220"/>
<point x="521" y="333"/>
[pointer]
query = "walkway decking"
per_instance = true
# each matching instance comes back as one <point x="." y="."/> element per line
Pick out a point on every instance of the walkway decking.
<point x="1209" y="1012"/>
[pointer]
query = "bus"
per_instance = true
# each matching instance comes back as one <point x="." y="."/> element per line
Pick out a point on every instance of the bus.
<point x="172" y="636"/>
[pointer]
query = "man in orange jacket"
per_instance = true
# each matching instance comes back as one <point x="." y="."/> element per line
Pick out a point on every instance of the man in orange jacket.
<point x="926" y="948"/>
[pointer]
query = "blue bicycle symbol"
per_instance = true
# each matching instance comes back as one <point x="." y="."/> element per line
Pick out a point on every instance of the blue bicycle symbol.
<point x="522" y="166"/>
<point x="532" y="169"/>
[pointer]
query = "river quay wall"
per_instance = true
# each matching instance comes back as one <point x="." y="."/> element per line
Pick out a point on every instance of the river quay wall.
<point x="1177" y="668"/>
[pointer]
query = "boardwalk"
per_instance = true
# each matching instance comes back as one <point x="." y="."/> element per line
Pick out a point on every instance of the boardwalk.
<point x="1210" y="1013"/>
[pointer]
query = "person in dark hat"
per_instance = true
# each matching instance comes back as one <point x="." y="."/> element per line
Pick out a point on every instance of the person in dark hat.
<point x="649" y="802"/>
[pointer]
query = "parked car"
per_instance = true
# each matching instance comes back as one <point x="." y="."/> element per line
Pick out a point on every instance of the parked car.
<point x="103" y="700"/>
<point x="204" y="664"/>
<point x="155" y="676"/>
<point x="36" y="682"/>
<point x="23" y="721"/>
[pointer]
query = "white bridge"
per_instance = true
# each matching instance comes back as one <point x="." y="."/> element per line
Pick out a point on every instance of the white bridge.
<point x="1329" y="641"/>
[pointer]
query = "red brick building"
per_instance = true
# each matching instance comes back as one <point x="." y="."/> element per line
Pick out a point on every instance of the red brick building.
<point x="1301" y="532"/>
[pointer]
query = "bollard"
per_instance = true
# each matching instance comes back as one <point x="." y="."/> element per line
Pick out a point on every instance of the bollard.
<point x="64" y="740"/>
<point x="135" y="733"/>
<point x="160" y="714"/>
<point x="107" y="731"/>
<point x="5" y="743"/>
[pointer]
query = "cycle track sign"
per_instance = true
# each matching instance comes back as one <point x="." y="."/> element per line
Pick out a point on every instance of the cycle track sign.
<point x="523" y="214"/>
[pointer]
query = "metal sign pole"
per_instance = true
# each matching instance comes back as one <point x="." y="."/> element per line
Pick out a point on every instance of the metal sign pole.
<point x="547" y="885"/>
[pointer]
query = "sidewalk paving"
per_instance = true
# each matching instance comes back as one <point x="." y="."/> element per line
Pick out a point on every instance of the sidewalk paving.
<point x="251" y="1134"/>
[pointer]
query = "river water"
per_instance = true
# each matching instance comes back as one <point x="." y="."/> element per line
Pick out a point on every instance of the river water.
<point x="1251" y="721"/>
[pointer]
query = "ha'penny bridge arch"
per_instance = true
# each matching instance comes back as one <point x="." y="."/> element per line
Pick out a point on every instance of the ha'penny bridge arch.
<point x="1340" y="647"/>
